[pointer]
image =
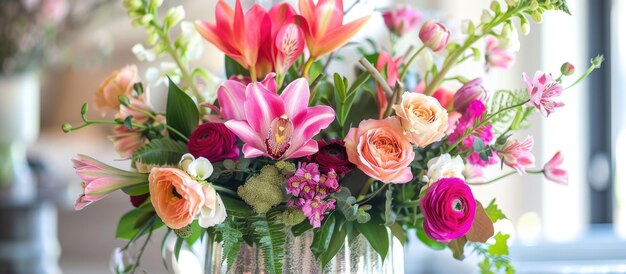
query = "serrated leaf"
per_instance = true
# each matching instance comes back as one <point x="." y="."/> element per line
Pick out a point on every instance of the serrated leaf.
<point x="232" y="239"/>
<point x="163" y="151"/>
<point x="494" y="213"/>
<point x="376" y="235"/>
<point x="270" y="236"/>
<point x="500" y="247"/>
<point x="181" y="112"/>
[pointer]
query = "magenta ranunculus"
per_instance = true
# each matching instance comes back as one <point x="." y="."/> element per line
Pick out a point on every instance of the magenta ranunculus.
<point x="213" y="141"/>
<point x="332" y="156"/>
<point x="448" y="207"/>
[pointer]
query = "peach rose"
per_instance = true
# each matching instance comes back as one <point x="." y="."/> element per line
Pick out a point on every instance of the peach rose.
<point x="423" y="119"/>
<point x="120" y="82"/>
<point x="176" y="197"/>
<point x="380" y="150"/>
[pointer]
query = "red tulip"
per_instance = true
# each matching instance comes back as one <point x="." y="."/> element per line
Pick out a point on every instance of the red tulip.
<point x="323" y="26"/>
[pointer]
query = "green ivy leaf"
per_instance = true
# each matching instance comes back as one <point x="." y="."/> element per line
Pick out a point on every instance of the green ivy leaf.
<point x="500" y="247"/>
<point x="163" y="151"/>
<point x="181" y="112"/>
<point x="494" y="212"/>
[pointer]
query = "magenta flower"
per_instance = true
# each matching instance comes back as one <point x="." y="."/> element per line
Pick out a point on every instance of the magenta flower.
<point x="277" y="126"/>
<point x="496" y="56"/>
<point x="542" y="90"/>
<point x="309" y="189"/>
<point x="101" y="179"/>
<point x="474" y="114"/>
<point x="553" y="171"/>
<point x="518" y="154"/>
<point x="402" y="20"/>
<point x="448" y="208"/>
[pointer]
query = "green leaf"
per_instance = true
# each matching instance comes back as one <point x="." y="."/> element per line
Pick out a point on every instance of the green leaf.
<point x="270" y="236"/>
<point x="234" y="68"/>
<point x="376" y="235"/>
<point x="494" y="212"/>
<point x="478" y="145"/>
<point x="196" y="233"/>
<point x="128" y="122"/>
<point x="164" y="250"/>
<point x="398" y="232"/>
<point x="126" y="227"/>
<point x="337" y="240"/>
<point x="322" y="236"/>
<point x="232" y="239"/>
<point x="316" y="69"/>
<point x="457" y="246"/>
<point x="235" y="207"/>
<point x="181" y="112"/>
<point x="340" y="87"/>
<point x="500" y="247"/>
<point x="136" y="190"/>
<point x="300" y="228"/>
<point x="163" y="151"/>
<point x="178" y="246"/>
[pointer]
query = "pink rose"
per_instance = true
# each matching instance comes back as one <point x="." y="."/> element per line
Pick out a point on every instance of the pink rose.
<point x="448" y="208"/>
<point x="401" y="20"/>
<point x="423" y="119"/>
<point x="176" y="198"/>
<point x="120" y="82"/>
<point x="380" y="150"/>
<point x="213" y="141"/>
<point x="434" y="35"/>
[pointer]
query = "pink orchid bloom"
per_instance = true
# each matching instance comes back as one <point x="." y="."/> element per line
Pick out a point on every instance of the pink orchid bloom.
<point x="390" y="66"/>
<point x="495" y="56"/>
<point x="240" y="36"/>
<point x="232" y="93"/>
<point x="553" y="171"/>
<point x="542" y="90"/>
<point x="518" y="154"/>
<point x="277" y="126"/>
<point x="323" y="26"/>
<point x="101" y="179"/>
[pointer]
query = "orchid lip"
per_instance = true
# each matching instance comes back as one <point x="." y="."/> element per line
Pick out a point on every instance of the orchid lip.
<point x="279" y="136"/>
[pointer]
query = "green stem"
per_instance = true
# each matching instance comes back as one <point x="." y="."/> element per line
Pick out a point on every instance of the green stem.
<point x="482" y="123"/>
<point x="408" y="64"/>
<point x="583" y="76"/>
<point x="153" y="117"/>
<point x="307" y="67"/>
<point x="366" y="187"/>
<point x="365" y="199"/>
<point x="143" y="248"/>
<point x="506" y="175"/>
<point x="378" y="77"/>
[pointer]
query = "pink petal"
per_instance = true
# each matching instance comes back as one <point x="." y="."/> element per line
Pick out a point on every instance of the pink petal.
<point x="310" y="123"/>
<point x="252" y="152"/>
<point x="296" y="97"/>
<point x="230" y="95"/>
<point x="243" y="130"/>
<point x="270" y="82"/>
<point x="261" y="107"/>
<point x="307" y="149"/>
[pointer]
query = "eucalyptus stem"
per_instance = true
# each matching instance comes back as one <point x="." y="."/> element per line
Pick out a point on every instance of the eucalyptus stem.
<point x="378" y="77"/>
<point x="482" y="123"/>
<point x="372" y="195"/>
<point x="408" y="64"/>
<point x="506" y="175"/>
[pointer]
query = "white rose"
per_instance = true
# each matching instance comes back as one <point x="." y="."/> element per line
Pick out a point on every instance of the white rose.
<point x="445" y="166"/>
<point x="423" y="119"/>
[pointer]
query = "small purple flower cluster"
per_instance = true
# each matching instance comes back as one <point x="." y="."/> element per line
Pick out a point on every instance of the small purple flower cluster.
<point x="309" y="188"/>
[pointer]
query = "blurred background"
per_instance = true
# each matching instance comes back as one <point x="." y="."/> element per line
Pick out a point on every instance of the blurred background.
<point x="580" y="228"/>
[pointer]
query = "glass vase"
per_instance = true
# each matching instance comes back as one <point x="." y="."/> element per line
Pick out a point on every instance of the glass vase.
<point x="354" y="257"/>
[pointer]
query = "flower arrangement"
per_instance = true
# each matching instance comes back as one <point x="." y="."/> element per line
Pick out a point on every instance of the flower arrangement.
<point x="286" y="148"/>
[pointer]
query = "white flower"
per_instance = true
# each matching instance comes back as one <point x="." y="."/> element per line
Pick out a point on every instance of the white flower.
<point x="174" y="15"/>
<point x="213" y="212"/>
<point x="200" y="168"/>
<point x="445" y="166"/>
<point x="143" y="54"/>
<point x="192" y="40"/>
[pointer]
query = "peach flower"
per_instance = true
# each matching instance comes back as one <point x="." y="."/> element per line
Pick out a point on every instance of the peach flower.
<point x="176" y="197"/>
<point x="120" y="82"/>
<point x="380" y="150"/>
<point x="423" y="118"/>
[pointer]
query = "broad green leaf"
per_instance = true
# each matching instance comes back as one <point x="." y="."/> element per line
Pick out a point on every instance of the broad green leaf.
<point x="500" y="247"/>
<point x="136" y="190"/>
<point x="340" y="87"/>
<point x="337" y="240"/>
<point x="457" y="246"/>
<point x="178" y="246"/>
<point x="322" y="236"/>
<point x="494" y="213"/>
<point x="234" y="68"/>
<point x="300" y="228"/>
<point x="196" y="233"/>
<point x="163" y="151"/>
<point x="376" y="235"/>
<point x="235" y="207"/>
<point x="181" y="112"/>
<point x="398" y="232"/>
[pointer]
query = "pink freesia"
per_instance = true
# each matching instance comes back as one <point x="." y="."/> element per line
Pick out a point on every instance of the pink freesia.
<point x="553" y="171"/>
<point x="279" y="126"/>
<point x="542" y="90"/>
<point x="390" y="67"/>
<point x="518" y="154"/>
<point x="401" y="20"/>
<point x="495" y="56"/>
<point x="324" y="28"/>
<point x="101" y="179"/>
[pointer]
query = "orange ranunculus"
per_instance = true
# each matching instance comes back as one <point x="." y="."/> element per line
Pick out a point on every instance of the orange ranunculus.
<point x="120" y="82"/>
<point x="176" y="197"/>
<point x="423" y="118"/>
<point x="380" y="150"/>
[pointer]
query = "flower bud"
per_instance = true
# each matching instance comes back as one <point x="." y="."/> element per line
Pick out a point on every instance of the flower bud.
<point x="537" y="17"/>
<point x="66" y="127"/>
<point x="124" y="100"/>
<point x="525" y="27"/>
<point x="486" y="17"/>
<point x="434" y="35"/>
<point x="467" y="27"/>
<point x="534" y="5"/>
<point x="511" y="2"/>
<point x="145" y="20"/>
<point x="495" y="6"/>
<point x="472" y="90"/>
<point x="567" y="69"/>
<point x="174" y="15"/>
<point x="597" y="62"/>
<point x="84" y="109"/>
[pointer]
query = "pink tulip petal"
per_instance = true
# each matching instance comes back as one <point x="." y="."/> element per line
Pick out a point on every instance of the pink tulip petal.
<point x="262" y="107"/>
<point x="296" y="97"/>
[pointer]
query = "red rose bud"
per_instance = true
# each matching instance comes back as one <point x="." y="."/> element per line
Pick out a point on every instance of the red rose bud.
<point x="214" y="142"/>
<point x="567" y="69"/>
<point x="434" y="35"/>
<point x="472" y="90"/>
<point x="332" y="156"/>
<point x="137" y="200"/>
